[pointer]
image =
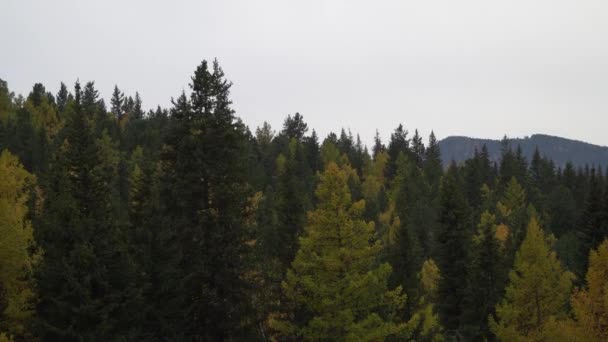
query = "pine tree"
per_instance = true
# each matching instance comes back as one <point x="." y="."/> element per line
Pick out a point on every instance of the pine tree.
<point x="590" y="306"/>
<point x="334" y="283"/>
<point x="453" y="241"/>
<point x="18" y="253"/>
<point x="294" y="127"/>
<point x="537" y="294"/>
<point x="204" y="198"/>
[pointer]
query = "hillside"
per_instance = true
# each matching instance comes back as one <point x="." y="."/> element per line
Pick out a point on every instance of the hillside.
<point x="560" y="150"/>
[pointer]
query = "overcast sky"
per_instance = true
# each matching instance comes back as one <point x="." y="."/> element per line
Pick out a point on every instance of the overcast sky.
<point x="476" y="68"/>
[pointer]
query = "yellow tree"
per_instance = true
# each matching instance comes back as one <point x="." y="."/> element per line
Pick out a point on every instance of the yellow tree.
<point x="537" y="293"/>
<point x="16" y="244"/>
<point x="337" y="290"/>
<point x="590" y="306"/>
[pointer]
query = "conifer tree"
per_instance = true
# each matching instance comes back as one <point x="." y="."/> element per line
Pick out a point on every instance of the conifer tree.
<point x="433" y="169"/>
<point x="205" y="195"/>
<point x="378" y="145"/>
<point x="452" y="255"/>
<point x="486" y="280"/>
<point x="537" y="294"/>
<point x="18" y="254"/>
<point x="398" y="144"/>
<point x="116" y="102"/>
<point x="83" y="279"/>
<point x="334" y="282"/>
<point x="62" y="97"/>
<point x="594" y="225"/>
<point x="590" y="306"/>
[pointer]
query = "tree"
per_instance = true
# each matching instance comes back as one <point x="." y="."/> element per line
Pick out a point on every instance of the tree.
<point x="590" y="306"/>
<point x="116" y="102"/>
<point x="83" y="280"/>
<point x="62" y="97"/>
<point x="378" y="145"/>
<point x="138" y="112"/>
<point x="334" y="282"/>
<point x="204" y="199"/>
<point x="594" y="225"/>
<point x="453" y="241"/>
<point x="537" y="293"/>
<point x="432" y="167"/>
<point x="294" y="127"/>
<point x="398" y="144"/>
<point x="17" y="247"/>
<point x="485" y="282"/>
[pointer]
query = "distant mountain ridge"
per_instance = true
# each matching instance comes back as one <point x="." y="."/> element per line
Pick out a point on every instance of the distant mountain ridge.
<point x="560" y="150"/>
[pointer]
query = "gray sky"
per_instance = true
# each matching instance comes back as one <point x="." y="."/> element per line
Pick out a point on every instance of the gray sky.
<point x="477" y="68"/>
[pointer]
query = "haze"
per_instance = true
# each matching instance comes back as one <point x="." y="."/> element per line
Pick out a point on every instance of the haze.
<point x="475" y="68"/>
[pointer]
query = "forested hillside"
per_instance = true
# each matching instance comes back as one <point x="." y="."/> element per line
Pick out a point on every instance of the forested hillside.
<point x="184" y="224"/>
<point x="559" y="150"/>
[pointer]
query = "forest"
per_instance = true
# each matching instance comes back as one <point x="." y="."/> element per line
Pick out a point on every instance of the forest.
<point x="184" y="224"/>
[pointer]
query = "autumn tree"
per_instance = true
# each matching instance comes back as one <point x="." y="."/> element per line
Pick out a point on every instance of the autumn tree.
<point x="590" y="305"/>
<point x="537" y="293"/>
<point x="334" y="285"/>
<point x="17" y="248"/>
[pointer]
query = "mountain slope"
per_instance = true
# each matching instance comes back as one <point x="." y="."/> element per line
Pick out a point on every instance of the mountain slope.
<point x="560" y="150"/>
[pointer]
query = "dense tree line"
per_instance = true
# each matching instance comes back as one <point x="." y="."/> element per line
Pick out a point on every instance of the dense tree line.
<point x="182" y="224"/>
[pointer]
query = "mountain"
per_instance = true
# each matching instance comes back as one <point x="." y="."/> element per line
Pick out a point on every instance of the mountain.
<point x="560" y="150"/>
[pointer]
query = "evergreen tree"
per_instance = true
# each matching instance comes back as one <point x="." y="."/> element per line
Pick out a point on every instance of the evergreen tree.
<point x="204" y="198"/>
<point x="537" y="294"/>
<point x="340" y="291"/>
<point x="294" y="127"/>
<point x="398" y="144"/>
<point x="432" y="167"/>
<point x="453" y="241"/>
<point x="116" y="102"/>
<point x="83" y="280"/>
<point x="378" y="145"/>
<point x="138" y="112"/>
<point x="62" y="97"/>
<point x="594" y="226"/>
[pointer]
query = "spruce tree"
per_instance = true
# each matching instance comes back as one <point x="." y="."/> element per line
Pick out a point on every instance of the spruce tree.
<point x="62" y="97"/>
<point x="84" y="278"/>
<point x="453" y="248"/>
<point x="205" y="195"/>
<point x="116" y="102"/>
<point x="594" y="226"/>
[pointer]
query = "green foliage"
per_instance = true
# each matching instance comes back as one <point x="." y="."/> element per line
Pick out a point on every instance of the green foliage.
<point x="334" y="285"/>
<point x="537" y="294"/>
<point x="590" y="306"/>
<point x="18" y="254"/>
<point x="204" y="195"/>
<point x="453" y="249"/>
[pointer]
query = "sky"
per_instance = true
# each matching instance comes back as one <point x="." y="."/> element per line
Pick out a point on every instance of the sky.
<point x="475" y="68"/>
